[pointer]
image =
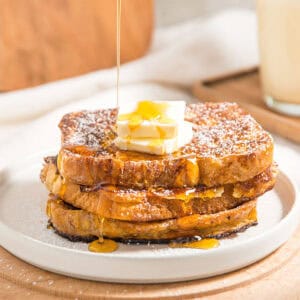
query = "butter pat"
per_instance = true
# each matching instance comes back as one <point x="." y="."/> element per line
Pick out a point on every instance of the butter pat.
<point x="158" y="146"/>
<point x="147" y="129"/>
<point x="155" y="127"/>
<point x="149" y="119"/>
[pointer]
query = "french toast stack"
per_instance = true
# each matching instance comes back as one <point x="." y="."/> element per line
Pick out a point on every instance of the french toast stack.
<point x="209" y="188"/>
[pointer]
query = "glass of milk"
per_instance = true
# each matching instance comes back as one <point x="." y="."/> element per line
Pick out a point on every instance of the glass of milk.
<point x="279" y="41"/>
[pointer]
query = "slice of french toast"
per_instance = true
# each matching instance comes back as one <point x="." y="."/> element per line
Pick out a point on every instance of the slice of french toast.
<point x="228" y="146"/>
<point x="81" y="225"/>
<point x="155" y="203"/>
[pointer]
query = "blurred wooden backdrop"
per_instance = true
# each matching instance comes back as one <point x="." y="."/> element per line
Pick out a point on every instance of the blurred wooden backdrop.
<point x="46" y="40"/>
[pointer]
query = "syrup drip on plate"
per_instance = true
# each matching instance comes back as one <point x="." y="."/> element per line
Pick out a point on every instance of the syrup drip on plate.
<point x="107" y="245"/>
<point x="102" y="245"/>
<point x="204" y="244"/>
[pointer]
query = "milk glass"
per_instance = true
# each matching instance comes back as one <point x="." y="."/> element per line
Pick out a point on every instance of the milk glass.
<point x="279" y="42"/>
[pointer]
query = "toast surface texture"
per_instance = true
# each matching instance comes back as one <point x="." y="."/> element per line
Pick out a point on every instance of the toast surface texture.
<point x="155" y="204"/>
<point x="228" y="146"/>
<point x="81" y="224"/>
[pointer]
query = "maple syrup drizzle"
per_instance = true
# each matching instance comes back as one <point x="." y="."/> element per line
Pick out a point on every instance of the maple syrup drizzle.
<point x="147" y="110"/>
<point x="155" y="142"/>
<point x="101" y="239"/>
<point x="118" y="41"/>
<point x="48" y="210"/>
<point x="102" y="245"/>
<point x="150" y="111"/>
<point x="162" y="133"/>
<point x="204" y="244"/>
<point x="62" y="190"/>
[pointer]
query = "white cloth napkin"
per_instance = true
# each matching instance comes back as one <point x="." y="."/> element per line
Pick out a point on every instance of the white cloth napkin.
<point x="179" y="56"/>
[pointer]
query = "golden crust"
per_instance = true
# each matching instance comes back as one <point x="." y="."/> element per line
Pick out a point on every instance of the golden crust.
<point x="228" y="146"/>
<point x="155" y="204"/>
<point x="80" y="223"/>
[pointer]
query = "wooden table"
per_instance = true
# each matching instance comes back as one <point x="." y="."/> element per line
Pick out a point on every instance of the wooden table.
<point x="275" y="277"/>
<point x="244" y="88"/>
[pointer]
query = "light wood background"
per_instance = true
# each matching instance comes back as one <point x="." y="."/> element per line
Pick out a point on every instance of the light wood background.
<point x="41" y="41"/>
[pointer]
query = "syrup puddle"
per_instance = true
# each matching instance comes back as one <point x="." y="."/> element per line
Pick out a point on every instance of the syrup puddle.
<point x="204" y="244"/>
<point x="106" y="245"/>
<point x="103" y="246"/>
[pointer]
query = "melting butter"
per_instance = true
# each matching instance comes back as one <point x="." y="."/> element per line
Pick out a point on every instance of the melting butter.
<point x="155" y="142"/>
<point x="154" y="127"/>
<point x="162" y="133"/>
<point x="146" y="110"/>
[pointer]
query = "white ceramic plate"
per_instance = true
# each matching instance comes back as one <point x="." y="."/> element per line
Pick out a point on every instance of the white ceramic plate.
<point x="23" y="232"/>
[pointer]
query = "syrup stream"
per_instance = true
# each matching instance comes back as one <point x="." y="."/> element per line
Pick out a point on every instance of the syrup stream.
<point x="118" y="41"/>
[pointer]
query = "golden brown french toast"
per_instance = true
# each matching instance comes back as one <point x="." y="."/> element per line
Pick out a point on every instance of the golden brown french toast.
<point x="228" y="146"/>
<point x="78" y="224"/>
<point x="155" y="203"/>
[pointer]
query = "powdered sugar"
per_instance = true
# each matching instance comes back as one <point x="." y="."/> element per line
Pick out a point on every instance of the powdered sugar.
<point x="220" y="129"/>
